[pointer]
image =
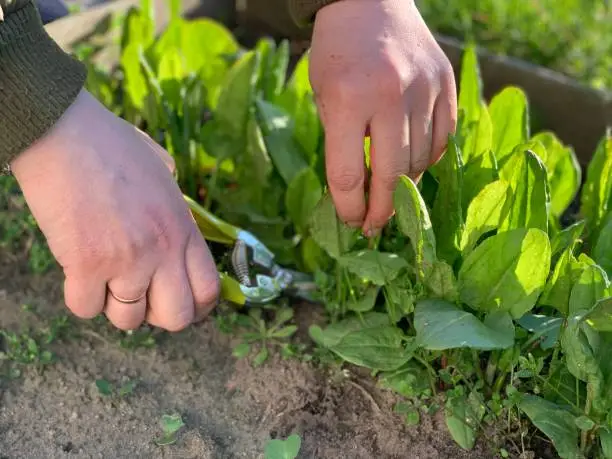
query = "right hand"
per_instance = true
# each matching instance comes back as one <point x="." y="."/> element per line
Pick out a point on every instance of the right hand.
<point x="104" y="196"/>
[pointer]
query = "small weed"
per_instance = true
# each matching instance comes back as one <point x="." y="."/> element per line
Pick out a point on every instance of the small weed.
<point x="170" y="424"/>
<point x="141" y="338"/>
<point x="31" y="346"/>
<point x="108" y="390"/>
<point x="24" y="349"/>
<point x="258" y="331"/>
<point x="283" y="449"/>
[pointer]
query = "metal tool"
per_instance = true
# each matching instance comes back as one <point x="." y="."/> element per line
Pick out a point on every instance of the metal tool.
<point x="260" y="280"/>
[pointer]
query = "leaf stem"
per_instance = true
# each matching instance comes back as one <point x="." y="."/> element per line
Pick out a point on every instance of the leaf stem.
<point x="430" y="369"/>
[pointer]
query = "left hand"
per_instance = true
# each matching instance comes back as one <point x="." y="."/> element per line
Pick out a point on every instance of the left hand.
<point x="376" y="68"/>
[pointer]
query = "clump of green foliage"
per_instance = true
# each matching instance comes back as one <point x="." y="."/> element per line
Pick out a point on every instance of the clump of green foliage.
<point x="475" y="286"/>
<point x="571" y="36"/>
<point x="20" y="235"/>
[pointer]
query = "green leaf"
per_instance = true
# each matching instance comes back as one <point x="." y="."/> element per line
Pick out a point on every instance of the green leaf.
<point x="441" y="282"/>
<point x="447" y="215"/>
<point x="335" y="332"/>
<point x="602" y="253"/>
<point x="278" y="134"/>
<point x="237" y="94"/>
<point x="411" y="380"/>
<point x="556" y="423"/>
<point x="584" y="423"/>
<point x="506" y="272"/>
<point x="399" y="301"/>
<point x="298" y="100"/>
<point x="605" y="438"/>
<point x="377" y="267"/>
<point x="170" y="74"/>
<point x="127" y="388"/>
<point x="600" y="315"/>
<point x="285" y="332"/>
<point x="366" y="302"/>
<point x="591" y="286"/>
<point x="369" y="341"/>
<point x="527" y="205"/>
<point x="379" y="348"/>
<point x="559" y="287"/>
<point x="313" y="256"/>
<point x="463" y="417"/>
<point x="241" y="350"/>
<point x="283" y="449"/>
<point x="261" y="357"/>
<point x="171" y="424"/>
<point x="597" y="189"/>
<point x="470" y="85"/>
<point x="210" y="62"/>
<point x="510" y="118"/>
<point x="104" y="387"/>
<point x="483" y="214"/>
<point x="547" y="328"/>
<point x="303" y="194"/>
<point x="328" y="231"/>
<point x="566" y="237"/>
<point x="257" y="163"/>
<point x="564" y="173"/>
<point x="275" y="69"/>
<point x="580" y="357"/>
<point x="479" y="171"/>
<point x="479" y="138"/>
<point x="134" y="80"/>
<point x="441" y="325"/>
<point x="413" y="221"/>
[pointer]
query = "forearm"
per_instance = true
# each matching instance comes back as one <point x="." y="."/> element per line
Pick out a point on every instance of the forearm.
<point x="38" y="80"/>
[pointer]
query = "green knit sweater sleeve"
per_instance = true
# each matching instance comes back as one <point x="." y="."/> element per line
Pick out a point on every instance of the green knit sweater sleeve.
<point x="38" y="80"/>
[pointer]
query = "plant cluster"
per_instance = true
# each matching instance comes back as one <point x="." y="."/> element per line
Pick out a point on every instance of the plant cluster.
<point x="570" y="36"/>
<point x="486" y="283"/>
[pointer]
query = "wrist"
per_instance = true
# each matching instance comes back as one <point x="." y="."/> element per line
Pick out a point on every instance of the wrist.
<point x="45" y="155"/>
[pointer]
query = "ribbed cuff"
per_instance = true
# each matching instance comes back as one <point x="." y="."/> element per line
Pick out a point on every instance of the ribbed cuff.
<point x="304" y="11"/>
<point x="38" y="81"/>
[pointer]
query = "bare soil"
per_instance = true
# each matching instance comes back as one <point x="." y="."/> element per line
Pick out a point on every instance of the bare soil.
<point x="229" y="407"/>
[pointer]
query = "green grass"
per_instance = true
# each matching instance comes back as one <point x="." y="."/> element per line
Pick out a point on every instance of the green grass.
<point x="571" y="36"/>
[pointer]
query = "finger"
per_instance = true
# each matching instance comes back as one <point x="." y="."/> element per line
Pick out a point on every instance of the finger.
<point x="127" y="316"/>
<point x="84" y="295"/>
<point x="203" y="276"/>
<point x="345" y="164"/>
<point x="171" y="304"/>
<point x="390" y="158"/>
<point x="421" y="132"/>
<point x="444" y="119"/>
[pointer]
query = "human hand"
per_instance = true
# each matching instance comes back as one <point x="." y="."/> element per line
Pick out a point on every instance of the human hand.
<point x="103" y="194"/>
<point x="376" y="70"/>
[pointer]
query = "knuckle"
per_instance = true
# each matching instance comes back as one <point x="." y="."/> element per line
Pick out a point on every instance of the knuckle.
<point x="387" y="179"/>
<point x="419" y="164"/>
<point x="391" y="81"/>
<point x="342" y="89"/>
<point x="345" y="181"/>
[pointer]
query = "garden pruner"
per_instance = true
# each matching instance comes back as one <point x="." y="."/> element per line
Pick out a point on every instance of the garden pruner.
<point x="260" y="280"/>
